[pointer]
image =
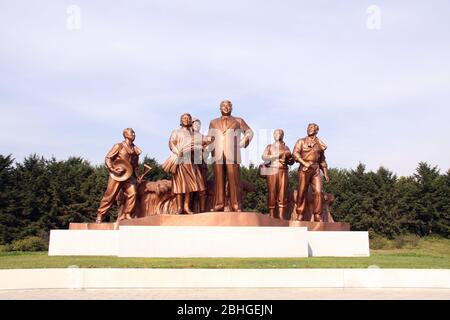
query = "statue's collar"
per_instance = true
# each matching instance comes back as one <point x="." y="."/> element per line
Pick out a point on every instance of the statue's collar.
<point x="130" y="149"/>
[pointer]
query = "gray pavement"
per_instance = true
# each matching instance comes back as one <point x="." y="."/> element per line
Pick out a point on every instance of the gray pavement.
<point x="226" y="293"/>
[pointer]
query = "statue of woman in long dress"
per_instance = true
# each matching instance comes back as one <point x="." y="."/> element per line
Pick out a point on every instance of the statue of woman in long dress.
<point x="186" y="177"/>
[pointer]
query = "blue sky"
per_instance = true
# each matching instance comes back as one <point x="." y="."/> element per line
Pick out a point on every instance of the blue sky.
<point x="380" y="96"/>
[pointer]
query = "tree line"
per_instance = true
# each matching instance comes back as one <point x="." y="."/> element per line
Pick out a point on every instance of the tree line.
<point x="38" y="194"/>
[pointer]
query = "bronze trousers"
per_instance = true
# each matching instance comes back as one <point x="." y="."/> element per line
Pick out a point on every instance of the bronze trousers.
<point x="112" y="189"/>
<point x="233" y="174"/>
<point x="277" y="187"/>
<point x="305" y="179"/>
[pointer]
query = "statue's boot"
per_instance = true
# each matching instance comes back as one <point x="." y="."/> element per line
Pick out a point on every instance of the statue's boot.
<point x="187" y="202"/>
<point x="317" y="218"/>
<point x="299" y="217"/>
<point x="180" y="200"/>
<point x="99" y="218"/>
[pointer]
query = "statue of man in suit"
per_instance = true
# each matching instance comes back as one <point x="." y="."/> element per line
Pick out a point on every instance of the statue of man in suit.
<point x="230" y="135"/>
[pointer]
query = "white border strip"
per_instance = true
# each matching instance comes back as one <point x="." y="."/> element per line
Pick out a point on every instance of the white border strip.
<point x="80" y="278"/>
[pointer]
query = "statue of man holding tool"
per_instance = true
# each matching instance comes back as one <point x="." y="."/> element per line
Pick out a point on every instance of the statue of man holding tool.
<point x="122" y="163"/>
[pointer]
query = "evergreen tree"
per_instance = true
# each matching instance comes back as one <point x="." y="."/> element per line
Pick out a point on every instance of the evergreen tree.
<point x="383" y="216"/>
<point x="256" y="200"/>
<point x="8" y="218"/>
<point x="75" y="189"/>
<point x="427" y="213"/>
<point x="407" y="191"/>
<point x="31" y="200"/>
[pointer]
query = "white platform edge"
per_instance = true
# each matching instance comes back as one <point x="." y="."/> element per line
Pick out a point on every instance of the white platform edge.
<point x="81" y="278"/>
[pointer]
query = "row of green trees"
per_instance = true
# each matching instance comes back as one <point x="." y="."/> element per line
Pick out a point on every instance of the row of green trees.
<point x="388" y="205"/>
<point x="40" y="194"/>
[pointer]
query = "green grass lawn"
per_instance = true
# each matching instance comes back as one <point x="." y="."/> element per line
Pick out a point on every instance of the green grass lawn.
<point x="427" y="253"/>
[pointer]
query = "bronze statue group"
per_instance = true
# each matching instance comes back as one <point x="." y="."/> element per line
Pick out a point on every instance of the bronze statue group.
<point x="226" y="136"/>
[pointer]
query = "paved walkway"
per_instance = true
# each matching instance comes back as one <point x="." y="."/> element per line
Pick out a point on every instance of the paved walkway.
<point x="225" y="294"/>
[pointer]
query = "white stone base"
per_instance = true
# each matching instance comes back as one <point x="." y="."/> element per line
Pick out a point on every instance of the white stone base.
<point x="91" y="278"/>
<point x="211" y="242"/>
<point x="338" y="243"/>
<point x="192" y="242"/>
<point x="83" y="243"/>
